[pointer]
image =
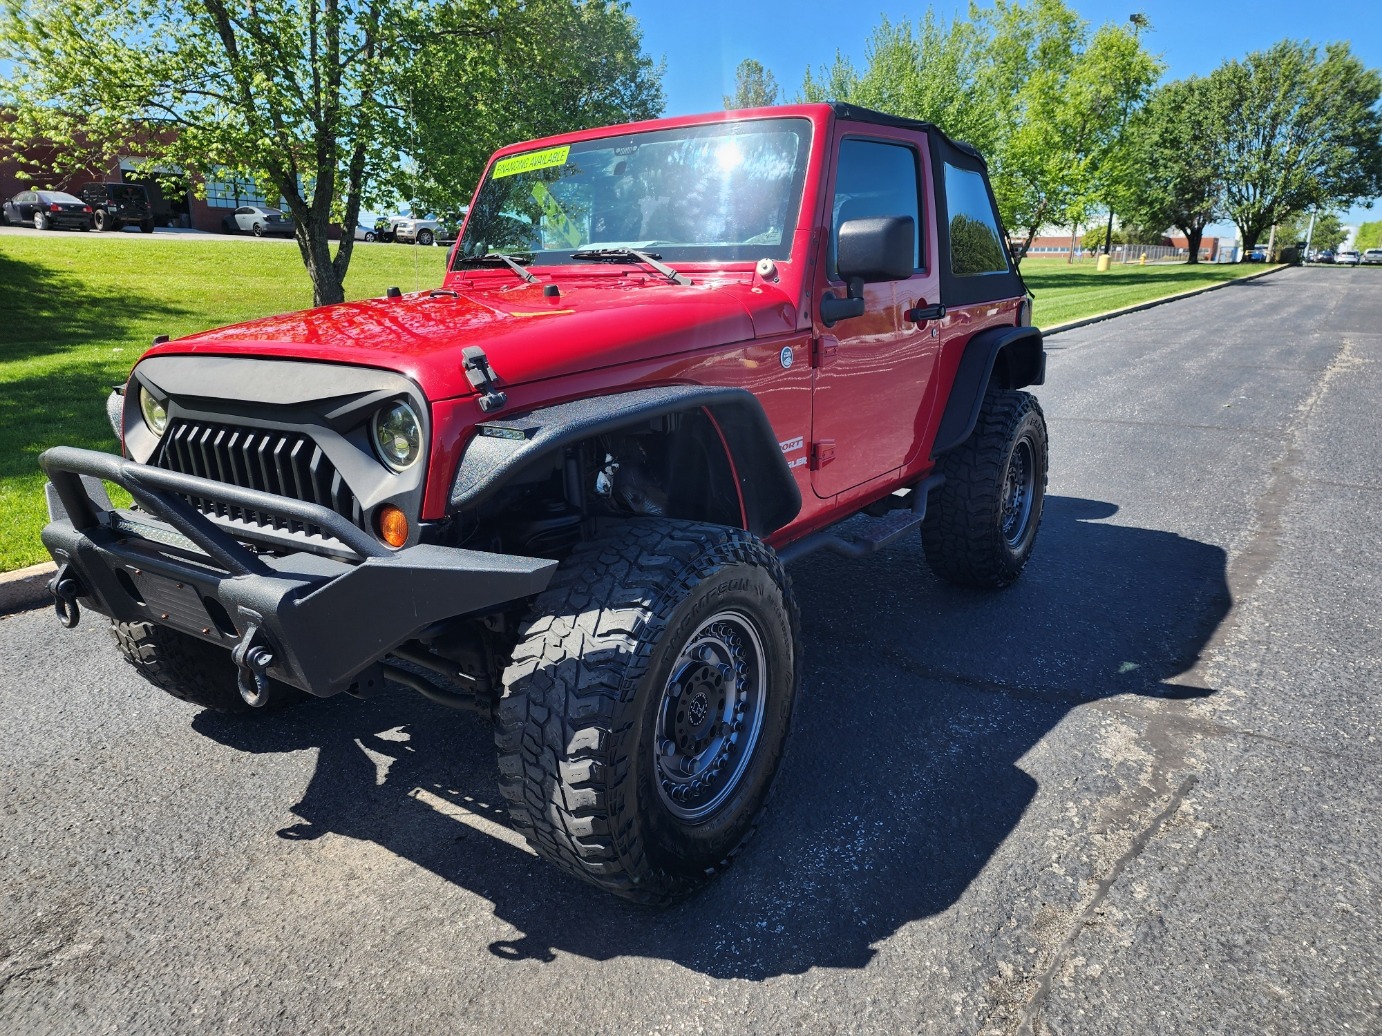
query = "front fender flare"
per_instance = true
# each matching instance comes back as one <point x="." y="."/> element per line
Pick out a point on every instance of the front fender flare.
<point x="504" y="446"/>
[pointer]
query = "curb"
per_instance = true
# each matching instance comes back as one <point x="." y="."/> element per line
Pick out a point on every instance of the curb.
<point x="25" y="588"/>
<point x="1047" y="332"/>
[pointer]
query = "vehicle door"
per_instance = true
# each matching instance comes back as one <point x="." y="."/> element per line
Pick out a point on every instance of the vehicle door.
<point x="243" y="218"/>
<point x="28" y="202"/>
<point x="870" y="396"/>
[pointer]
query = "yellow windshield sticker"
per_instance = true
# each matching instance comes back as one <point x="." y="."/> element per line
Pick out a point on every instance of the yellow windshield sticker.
<point x="526" y="163"/>
<point x="554" y="220"/>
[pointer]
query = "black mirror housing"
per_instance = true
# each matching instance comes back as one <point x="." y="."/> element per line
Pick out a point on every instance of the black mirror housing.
<point x="877" y="249"/>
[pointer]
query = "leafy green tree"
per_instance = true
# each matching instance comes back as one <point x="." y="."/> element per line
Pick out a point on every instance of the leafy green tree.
<point x="1169" y="173"/>
<point x="312" y="100"/>
<point x="1329" y="231"/>
<point x="754" y="87"/>
<point x="1093" y="239"/>
<point x="1027" y="83"/>
<point x="1295" y="130"/>
<point x="1369" y="236"/>
<point x="484" y="73"/>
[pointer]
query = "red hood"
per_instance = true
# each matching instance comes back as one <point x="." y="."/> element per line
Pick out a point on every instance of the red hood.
<point x="527" y="336"/>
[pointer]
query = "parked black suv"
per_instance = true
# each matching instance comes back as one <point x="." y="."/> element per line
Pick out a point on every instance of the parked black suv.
<point x="115" y="206"/>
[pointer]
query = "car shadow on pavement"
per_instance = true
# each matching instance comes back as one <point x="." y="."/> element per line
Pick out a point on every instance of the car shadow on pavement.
<point x="900" y="784"/>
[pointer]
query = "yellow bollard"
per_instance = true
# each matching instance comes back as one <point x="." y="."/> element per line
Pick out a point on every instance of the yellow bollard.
<point x="1103" y="264"/>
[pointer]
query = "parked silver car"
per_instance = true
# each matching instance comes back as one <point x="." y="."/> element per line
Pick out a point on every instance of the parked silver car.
<point x="1372" y="257"/>
<point x="257" y="220"/>
<point x="1346" y="259"/>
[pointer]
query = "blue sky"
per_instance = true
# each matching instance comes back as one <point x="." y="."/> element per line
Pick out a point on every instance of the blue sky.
<point x="705" y="40"/>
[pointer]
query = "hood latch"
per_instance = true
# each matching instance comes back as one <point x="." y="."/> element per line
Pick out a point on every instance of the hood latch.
<point x="482" y="376"/>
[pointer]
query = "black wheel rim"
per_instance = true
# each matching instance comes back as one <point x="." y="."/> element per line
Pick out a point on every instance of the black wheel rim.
<point x="709" y="716"/>
<point x="1019" y="489"/>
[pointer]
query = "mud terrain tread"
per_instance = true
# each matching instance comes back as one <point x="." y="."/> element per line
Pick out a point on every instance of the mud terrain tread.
<point x="596" y="625"/>
<point x="187" y="668"/>
<point x="960" y="536"/>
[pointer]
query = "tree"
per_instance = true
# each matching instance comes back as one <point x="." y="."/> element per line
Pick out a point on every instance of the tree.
<point x="311" y="100"/>
<point x="1329" y="231"/>
<point x="1295" y="130"/>
<point x="1170" y="173"/>
<point x="1027" y="83"/>
<point x="754" y="87"/>
<point x="1369" y="236"/>
<point x="529" y="69"/>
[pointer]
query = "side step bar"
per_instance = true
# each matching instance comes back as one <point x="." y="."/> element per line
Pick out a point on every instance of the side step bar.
<point x="875" y="535"/>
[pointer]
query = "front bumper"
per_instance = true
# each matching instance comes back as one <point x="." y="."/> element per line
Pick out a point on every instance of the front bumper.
<point x="316" y="622"/>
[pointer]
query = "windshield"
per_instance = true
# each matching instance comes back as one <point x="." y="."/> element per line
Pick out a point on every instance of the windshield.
<point x="723" y="192"/>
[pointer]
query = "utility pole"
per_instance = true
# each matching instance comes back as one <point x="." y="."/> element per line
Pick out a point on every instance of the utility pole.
<point x="1310" y="234"/>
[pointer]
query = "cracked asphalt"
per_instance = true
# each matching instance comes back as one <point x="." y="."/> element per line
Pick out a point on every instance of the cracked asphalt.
<point x="1136" y="792"/>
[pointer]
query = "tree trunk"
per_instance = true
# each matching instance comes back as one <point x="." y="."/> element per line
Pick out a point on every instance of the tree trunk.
<point x="1193" y="237"/>
<point x="1250" y="233"/>
<point x="314" y="242"/>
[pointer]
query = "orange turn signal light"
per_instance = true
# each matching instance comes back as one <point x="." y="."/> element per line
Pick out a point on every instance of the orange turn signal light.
<point x="393" y="525"/>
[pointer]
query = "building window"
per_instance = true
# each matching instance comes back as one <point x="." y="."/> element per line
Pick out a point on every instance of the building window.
<point x="226" y="191"/>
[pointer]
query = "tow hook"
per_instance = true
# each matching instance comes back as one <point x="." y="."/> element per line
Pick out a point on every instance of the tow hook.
<point x="66" y="588"/>
<point x="252" y="658"/>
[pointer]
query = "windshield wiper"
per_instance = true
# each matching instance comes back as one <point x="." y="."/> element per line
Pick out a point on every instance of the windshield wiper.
<point x="510" y="261"/>
<point x="624" y="255"/>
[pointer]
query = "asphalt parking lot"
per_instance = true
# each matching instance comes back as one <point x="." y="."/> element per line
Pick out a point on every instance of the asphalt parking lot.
<point x="1137" y="792"/>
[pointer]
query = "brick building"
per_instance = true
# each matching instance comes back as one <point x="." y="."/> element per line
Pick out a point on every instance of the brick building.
<point x="169" y="188"/>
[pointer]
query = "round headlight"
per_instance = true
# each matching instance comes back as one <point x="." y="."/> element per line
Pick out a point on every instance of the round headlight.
<point x="154" y="415"/>
<point x="398" y="436"/>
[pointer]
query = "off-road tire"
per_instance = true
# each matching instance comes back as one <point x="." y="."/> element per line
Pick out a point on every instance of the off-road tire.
<point x="189" y="669"/>
<point x="146" y="227"/>
<point x="588" y="684"/>
<point x="964" y="537"/>
<point x="102" y="222"/>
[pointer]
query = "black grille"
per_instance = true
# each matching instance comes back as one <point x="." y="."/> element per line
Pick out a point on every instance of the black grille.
<point x="282" y="463"/>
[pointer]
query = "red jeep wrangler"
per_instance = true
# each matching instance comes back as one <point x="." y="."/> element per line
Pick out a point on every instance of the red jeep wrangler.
<point x="559" y="490"/>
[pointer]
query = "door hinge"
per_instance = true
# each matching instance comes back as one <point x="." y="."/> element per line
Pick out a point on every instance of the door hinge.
<point x="823" y="350"/>
<point x="822" y="453"/>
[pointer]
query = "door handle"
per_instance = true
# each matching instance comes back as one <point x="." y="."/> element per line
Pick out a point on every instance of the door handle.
<point x="921" y="314"/>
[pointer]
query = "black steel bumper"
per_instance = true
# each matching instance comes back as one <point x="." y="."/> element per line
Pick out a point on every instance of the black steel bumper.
<point x="316" y="622"/>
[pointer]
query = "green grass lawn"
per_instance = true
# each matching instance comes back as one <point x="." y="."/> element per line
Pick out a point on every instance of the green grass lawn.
<point x="1064" y="292"/>
<point x="76" y="311"/>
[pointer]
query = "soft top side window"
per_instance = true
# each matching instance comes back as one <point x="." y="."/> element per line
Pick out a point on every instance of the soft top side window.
<point x="976" y="246"/>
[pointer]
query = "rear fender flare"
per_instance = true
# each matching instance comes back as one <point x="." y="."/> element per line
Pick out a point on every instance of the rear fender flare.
<point x="1009" y="357"/>
<point x="503" y="447"/>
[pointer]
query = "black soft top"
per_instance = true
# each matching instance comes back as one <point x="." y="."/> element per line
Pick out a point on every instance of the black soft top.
<point x="955" y="290"/>
<point x="854" y="113"/>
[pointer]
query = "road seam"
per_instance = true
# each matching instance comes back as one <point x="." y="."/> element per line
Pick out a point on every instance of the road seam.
<point x="1026" y="1027"/>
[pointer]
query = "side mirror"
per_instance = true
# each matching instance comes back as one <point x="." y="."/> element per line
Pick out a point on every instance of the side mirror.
<point x="869" y="250"/>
